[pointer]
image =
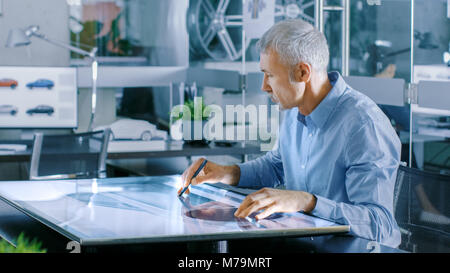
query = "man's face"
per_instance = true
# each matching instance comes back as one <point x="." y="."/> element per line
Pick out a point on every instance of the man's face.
<point x="277" y="83"/>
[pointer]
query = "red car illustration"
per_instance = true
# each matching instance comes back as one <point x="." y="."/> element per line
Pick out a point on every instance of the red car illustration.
<point x="8" y="83"/>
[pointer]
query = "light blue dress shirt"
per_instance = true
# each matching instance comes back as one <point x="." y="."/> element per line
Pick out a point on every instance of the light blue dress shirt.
<point x="346" y="153"/>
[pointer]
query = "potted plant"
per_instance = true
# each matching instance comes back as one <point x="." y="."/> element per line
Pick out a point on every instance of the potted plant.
<point x="23" y="245"/>
<point x="189" y="120"/>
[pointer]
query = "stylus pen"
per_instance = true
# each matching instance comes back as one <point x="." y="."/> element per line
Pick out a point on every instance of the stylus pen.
<point x="195" y="174"/>
<point x="255" y="222"/>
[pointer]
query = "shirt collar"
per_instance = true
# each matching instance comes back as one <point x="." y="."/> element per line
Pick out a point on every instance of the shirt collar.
<point x="321" y="113"/>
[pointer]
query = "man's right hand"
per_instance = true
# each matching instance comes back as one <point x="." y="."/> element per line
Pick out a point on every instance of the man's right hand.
<point x="211" y="173"/>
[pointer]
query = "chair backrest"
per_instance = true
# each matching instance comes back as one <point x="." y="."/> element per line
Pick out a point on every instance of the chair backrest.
<point x="69" y="156"/>
<point x="421" y="200"/>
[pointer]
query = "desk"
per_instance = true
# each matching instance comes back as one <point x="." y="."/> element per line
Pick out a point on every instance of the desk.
<point x="106" y="212"/>
<point x="15" y="222"/>
<point x="171" y="150"/>
<point x="116" y="160"/>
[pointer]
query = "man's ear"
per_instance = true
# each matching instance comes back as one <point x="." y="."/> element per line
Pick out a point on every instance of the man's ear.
<point x="302" y="72"/>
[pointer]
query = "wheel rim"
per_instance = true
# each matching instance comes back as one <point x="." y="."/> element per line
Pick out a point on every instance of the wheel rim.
<point x="215" y="28"/>
<point x="146" y="136"/>
<point x="289" y="9"/>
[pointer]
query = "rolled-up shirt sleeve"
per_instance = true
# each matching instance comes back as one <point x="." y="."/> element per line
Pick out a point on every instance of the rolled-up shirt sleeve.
<point x="265" y="171"/>
<point x="372" y="160"/>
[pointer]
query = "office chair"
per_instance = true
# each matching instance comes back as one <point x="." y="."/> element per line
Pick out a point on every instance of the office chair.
<point x="422" y="210"/>
<point x="69" y="156"/>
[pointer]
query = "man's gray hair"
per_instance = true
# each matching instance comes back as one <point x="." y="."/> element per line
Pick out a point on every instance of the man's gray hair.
<point x="297" y="41"/>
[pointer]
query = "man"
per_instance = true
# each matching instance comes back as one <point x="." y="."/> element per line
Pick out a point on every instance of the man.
<point x="337" y="154"/>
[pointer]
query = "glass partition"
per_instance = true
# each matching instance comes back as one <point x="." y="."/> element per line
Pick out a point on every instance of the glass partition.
<point x="430" y="145"/>
<point x="365" y="46"/>
<point x="372" y="53"/>
<point x="381" y="47"/>
<point x="130" y="32"/>
<point x="380" y="58"/>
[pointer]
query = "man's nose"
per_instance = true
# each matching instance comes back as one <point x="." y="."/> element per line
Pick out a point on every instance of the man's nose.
<point x="265" y="86"/>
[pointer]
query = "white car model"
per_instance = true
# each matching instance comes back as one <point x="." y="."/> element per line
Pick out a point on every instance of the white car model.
<point x="8" y="109"/>
<point x="134" y="129"/>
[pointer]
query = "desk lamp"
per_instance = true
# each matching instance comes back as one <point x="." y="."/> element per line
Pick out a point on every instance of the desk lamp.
<point x="21" y="37"/>
<point x="378" y="55"/>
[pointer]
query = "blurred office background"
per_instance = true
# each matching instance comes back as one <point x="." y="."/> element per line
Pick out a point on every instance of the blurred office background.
<point x="392" y="50"/>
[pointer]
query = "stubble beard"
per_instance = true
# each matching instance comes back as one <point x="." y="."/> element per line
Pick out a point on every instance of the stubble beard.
<point x="275" y="100"/>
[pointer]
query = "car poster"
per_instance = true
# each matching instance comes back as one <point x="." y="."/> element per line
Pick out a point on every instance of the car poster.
<point x="38" y="97"/>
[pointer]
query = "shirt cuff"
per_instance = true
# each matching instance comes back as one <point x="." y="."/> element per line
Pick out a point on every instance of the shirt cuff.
<point x="247" y="179"/>
<point x="324" y="208"/>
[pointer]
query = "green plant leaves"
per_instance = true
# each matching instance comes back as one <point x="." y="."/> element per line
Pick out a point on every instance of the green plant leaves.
<point x="23" y="245"/>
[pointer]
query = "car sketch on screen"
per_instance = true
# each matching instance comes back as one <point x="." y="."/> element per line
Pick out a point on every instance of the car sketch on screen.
<point x="134" y="129"/>
<point x="41" y="83"/>
<point x="8" y="109"/>
<point x="41" y="109"/>
<point x="8" y="83"/>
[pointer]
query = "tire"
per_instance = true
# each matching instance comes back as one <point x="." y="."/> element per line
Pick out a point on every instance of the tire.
<point x="146" y="136"/>
<point x="13" y="86"/>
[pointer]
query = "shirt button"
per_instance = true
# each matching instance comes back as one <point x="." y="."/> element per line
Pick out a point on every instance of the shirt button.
<point x="303" y="166"/>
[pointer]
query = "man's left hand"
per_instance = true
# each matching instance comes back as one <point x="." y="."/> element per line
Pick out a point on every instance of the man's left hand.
<point x="275" y="200"/>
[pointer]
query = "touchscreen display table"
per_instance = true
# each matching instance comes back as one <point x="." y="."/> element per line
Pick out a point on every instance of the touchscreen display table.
<point x="148" y="209"/>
